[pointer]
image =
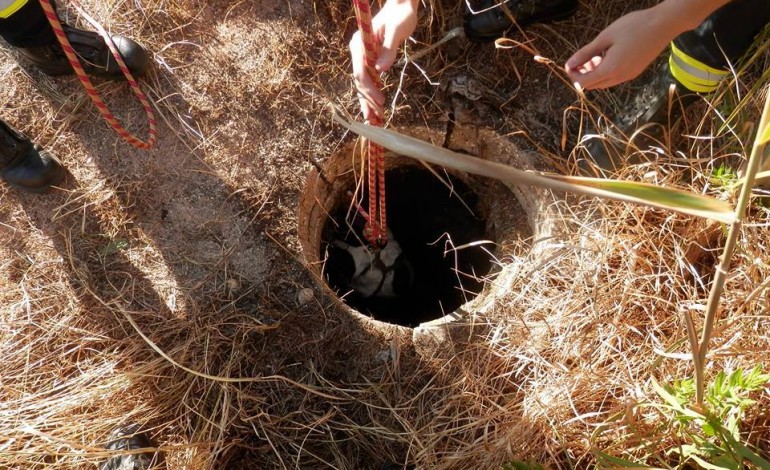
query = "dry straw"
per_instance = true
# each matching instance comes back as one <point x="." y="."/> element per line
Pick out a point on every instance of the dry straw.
<point x="568" y="345"/>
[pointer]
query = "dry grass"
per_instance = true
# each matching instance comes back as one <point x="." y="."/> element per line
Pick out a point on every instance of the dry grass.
<point x="190" y="250"/>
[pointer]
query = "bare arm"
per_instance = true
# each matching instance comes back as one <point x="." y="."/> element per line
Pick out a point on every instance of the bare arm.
<point x="626" y="47"/>
<point x="391" y="26"/>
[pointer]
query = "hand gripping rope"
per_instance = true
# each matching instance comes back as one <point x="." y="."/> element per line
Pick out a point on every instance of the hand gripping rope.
<point x="53" y="19"/>
<point x="376" y="228"/>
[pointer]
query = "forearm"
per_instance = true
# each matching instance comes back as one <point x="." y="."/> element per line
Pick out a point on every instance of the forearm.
<point x="685" y="15"/>
<point x="413" y="4"/>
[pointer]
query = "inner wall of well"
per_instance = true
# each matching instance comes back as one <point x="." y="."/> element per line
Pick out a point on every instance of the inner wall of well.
<point x="326" y="195"/>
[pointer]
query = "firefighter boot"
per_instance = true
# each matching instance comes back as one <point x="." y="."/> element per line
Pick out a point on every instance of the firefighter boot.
<point x="94" y="55"/>
<point x="657" y="106"/>
<point x="26" y="165"/>
<point x="494" y="18"/>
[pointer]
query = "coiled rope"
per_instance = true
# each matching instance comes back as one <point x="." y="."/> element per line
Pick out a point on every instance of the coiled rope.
<point x="61" y="36"/>
<point x="376" y="224"/>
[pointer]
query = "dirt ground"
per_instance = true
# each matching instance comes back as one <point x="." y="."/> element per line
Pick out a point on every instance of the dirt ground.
<point x="169" y="287"/>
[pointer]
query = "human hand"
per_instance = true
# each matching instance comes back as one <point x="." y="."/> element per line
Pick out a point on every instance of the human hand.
<point x="623" y="50"/>
<point x="394" y="23"/>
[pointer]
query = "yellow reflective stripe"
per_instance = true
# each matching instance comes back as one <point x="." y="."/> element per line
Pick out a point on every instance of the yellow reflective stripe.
<point x="688" y="81"/>
<point x="692" y="73"/>
<point x="9" y="7"/>
<point x="696" y="63"/>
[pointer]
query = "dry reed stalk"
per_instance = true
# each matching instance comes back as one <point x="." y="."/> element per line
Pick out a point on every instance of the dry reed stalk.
<point x="755" y="160"/>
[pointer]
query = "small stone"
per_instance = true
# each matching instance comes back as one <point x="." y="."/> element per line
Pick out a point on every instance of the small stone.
<point x="305" y="296"/>
<point x="233" y="285"/>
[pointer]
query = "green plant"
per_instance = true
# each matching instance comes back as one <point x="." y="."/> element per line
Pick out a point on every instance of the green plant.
<point x="709" y="436"/>
<point x="114" y="246"/>
<point x="713" y="431"/>
<point x="724" y="177"/>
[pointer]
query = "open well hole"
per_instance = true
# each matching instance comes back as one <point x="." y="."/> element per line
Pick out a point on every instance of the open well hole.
<point x="423" y="215"/>
<point x="436" y="271"/>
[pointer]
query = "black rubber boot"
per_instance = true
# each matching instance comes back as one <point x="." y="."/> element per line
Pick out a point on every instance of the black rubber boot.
<point x="655" y="107"/>
<point x="94" y="55"/>
<point x="26" y="165"/>
<point x="493" y="21"/>
<point x="129" y="438"/>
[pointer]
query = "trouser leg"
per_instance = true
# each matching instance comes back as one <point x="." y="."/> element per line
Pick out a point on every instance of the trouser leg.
<point x="700" y="58"/>
<point x="23" y="24"/>
<point x="699" y="61"/>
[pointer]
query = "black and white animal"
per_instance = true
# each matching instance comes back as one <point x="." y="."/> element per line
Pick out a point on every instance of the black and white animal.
<point x="381" y="273"/>
<point x="129" y="438"/>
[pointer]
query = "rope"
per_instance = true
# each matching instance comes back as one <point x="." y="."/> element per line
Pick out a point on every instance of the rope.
<point x="61" y="36"/>
<point x="376" y="224"/>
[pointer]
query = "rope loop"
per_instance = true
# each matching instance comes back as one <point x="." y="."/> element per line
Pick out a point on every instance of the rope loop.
<point x="376" y="220"/>
<point x="69" y="51"/>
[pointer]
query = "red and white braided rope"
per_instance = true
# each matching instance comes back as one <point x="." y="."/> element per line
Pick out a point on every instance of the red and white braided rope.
<point x="61" y="36"/>
<point x="376" y="229"/>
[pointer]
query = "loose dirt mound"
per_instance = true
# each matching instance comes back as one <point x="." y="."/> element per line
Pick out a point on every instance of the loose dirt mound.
<point x="168" y="288"/>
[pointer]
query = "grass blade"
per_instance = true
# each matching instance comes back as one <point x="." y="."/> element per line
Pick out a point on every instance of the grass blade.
<point x="626" y="191"/>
